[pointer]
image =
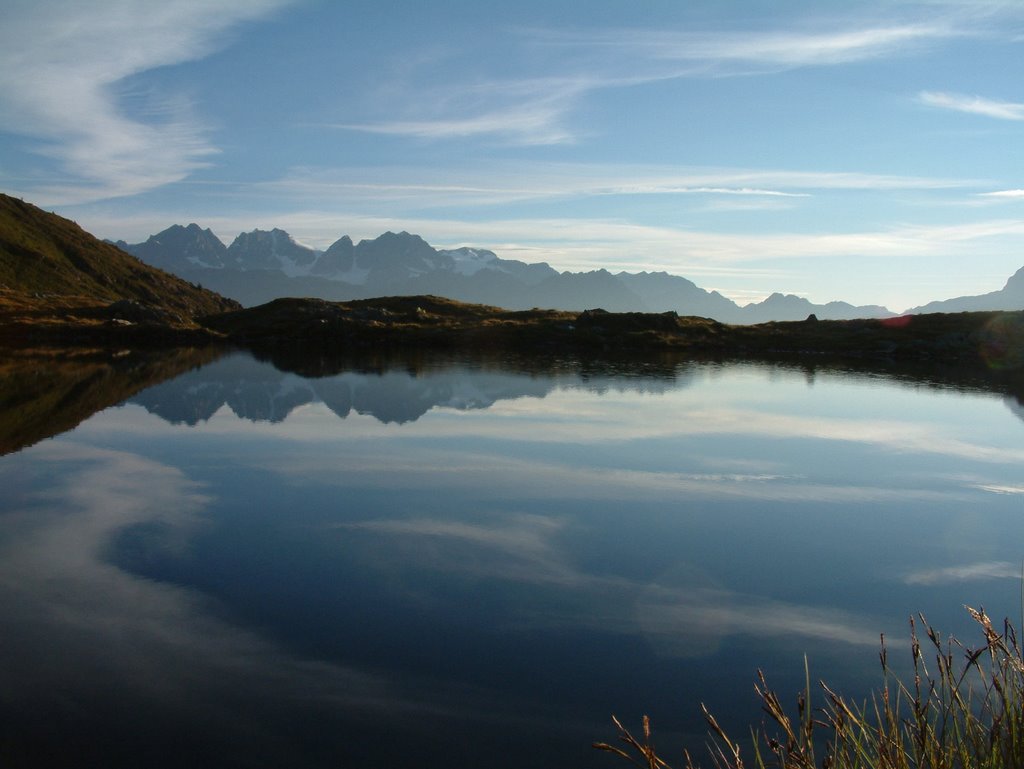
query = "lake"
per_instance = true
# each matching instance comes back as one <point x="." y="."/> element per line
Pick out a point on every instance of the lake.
<point x="441" y="562"/>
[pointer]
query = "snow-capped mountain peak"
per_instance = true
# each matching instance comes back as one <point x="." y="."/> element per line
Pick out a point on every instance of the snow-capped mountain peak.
<point x="469" y="261"/>
<point x="273" y="250"/>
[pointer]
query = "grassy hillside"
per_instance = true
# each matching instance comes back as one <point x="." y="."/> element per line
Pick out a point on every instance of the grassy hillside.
<point x="50" y="263"/>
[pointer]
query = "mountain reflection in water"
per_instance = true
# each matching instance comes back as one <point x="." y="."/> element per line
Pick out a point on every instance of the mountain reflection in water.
<point x="255" y="391"/>
<point x="402" y="391"/>
<point x="425" y="562"/>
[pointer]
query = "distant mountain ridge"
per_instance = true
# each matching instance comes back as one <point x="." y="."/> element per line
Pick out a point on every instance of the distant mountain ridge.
<point x="260" y="266"/>
<point x="1009" y="297"/>
<point x="392" y="255"/>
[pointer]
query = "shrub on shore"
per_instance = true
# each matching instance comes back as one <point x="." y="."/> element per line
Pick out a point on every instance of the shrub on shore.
<point x="962" y="708"/>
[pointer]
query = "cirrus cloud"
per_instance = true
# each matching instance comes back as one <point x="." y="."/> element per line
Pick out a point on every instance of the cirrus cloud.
<point x="974" y="105"/>
<point x="63" y="66"/>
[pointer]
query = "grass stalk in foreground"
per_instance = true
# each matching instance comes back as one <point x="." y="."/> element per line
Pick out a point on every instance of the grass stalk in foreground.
<point x="964" y="709"/>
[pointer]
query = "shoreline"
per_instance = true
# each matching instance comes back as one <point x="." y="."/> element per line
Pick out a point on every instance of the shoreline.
<point x="994" y="339"/>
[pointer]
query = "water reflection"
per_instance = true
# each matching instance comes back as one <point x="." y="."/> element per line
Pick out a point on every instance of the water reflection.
<point x="45" y="396"/>
<point x="402" y="390"/>
<point x="439" y="563"/>
<point x="255" y="391"/>
<point x="103" y="667"/>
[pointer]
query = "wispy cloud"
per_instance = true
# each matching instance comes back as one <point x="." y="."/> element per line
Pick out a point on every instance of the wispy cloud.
<point x="62" y="65"/>
<point x="1001" y="488"/>
<point x="738" y="191"/>
<point x="502" y="183"/>
<point x="1005" y="194"/>
<point x="531" y="111"/>
<point x="524" y="124"/>
<point x="718" y="52"/>
<point x="965" y="573"/>
<point x="975" y="105"/>
<point x="536" y="110"/>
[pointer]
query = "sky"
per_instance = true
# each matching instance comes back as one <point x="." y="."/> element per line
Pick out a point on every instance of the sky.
<point x="866" y="151"/>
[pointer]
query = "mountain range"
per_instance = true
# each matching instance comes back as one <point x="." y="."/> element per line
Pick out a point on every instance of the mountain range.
<point x="60" y="287"/>
<point x="43" y="255"/>
<point x="263" y="265"/>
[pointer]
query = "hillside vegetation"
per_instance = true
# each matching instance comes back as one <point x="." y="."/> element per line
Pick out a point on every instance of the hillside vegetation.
<point x="53" y="273"/>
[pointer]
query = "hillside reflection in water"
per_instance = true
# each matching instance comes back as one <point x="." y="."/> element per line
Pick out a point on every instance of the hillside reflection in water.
<point x="456" y="563"/>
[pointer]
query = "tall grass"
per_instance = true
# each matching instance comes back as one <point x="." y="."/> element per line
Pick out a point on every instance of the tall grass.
<point x="962" y="708"/>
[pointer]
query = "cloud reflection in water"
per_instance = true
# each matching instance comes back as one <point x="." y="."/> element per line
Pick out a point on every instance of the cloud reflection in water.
<point x="98" y="654"/>
<point x="387" y="574"/>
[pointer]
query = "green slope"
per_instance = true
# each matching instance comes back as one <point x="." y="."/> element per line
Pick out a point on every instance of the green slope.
<point x="44" y="256"/>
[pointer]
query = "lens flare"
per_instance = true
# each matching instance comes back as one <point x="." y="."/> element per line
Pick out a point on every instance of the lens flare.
<point x="1002" y="341"/>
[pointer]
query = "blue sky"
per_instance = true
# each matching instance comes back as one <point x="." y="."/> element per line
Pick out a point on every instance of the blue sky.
<point x="872" y="152"/>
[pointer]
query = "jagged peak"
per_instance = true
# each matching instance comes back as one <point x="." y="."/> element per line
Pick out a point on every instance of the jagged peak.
<point x="779" y="297"/>
<point x="274" y="235"/>
<point x="390" y="235"/>
<point x="177" y="233"/>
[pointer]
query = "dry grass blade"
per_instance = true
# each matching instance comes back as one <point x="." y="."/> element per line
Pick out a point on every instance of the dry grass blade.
<point x="991" y="636"/>
<point x="612" y="749"/>
<point x="719" y="748"/>
<point x="647" y="757"/>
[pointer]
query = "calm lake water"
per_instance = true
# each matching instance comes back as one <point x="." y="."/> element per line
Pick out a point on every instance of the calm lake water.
<point x="449" y="564"/>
